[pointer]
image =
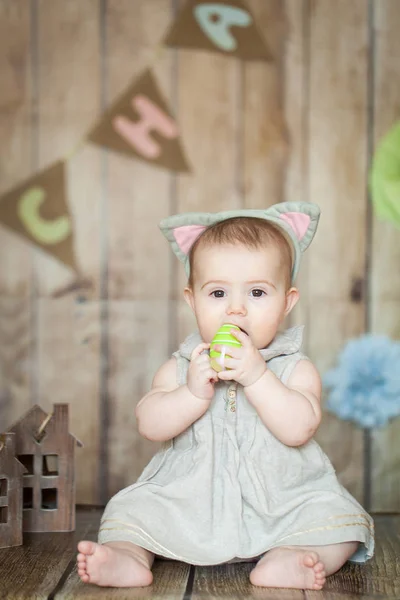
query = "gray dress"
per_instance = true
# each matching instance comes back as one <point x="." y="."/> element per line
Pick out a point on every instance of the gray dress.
<point x="227" y="490"/>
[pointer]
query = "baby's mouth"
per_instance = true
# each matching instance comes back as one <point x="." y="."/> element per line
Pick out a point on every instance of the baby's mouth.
<point x="242" y="330"/>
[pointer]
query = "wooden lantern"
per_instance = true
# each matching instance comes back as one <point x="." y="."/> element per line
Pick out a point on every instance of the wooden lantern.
<point x="47" y="450"/>
<point x="11" y="472"/>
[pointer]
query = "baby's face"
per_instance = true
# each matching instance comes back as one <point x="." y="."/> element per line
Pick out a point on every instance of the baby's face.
<point x="242" y="286"/>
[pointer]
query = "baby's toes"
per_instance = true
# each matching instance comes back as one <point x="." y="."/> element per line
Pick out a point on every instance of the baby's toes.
<point x="319" y="567"/>
<point x="320" y="576"/>
<point x="81" y="567"/>
<point x="311" y="559"/>
<point x="85" y="547"/>
<point x="319" y="584"/>
<point x="84" y="576"/>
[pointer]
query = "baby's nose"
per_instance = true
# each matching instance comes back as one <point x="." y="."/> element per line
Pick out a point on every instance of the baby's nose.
<point x="236" y="308"/>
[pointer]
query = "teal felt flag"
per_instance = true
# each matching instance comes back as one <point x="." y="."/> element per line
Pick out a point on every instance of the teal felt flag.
<point x="385" y="177"/>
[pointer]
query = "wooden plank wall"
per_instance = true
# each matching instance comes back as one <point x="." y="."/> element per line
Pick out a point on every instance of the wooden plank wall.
<point x="385" y="244"/>
<point x="337" y="174"/>
<point x="300" y="128"/>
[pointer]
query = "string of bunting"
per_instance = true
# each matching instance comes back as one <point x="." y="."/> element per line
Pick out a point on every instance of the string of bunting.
<point x="38" y="208"/>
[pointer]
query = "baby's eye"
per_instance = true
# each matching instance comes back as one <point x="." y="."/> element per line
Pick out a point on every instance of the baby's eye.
<point x="257" y="293"/>
<point x="218" y="293"/>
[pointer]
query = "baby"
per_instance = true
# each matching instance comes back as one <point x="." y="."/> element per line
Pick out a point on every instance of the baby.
<point x="239" y="476"/>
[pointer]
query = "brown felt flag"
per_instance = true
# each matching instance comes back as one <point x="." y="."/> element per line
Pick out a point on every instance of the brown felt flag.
<point x="140" y="125"/>
<point x="226" y="26"/>
<point x="37" y="209"/>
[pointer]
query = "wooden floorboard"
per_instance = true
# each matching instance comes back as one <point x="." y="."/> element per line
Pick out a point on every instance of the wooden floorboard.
<point x="378" y="578"/>
<point x="34" y="569"/>
<point x="44" y="569"/>
<point x="170" y="581"/>
<point x="232" y="581"/>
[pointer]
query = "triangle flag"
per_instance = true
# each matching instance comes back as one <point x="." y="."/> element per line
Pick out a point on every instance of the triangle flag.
<point x="226" y="26"/>
<point x="37" y="209"/>
<point x="140" y="124"/>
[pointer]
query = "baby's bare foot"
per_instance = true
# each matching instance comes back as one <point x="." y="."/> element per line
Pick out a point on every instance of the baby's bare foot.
<point x="289" y="568"/>
<point x="110" y="567"/>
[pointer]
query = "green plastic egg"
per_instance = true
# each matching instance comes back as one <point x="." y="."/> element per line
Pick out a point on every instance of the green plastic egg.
<point x="224" y="339"/>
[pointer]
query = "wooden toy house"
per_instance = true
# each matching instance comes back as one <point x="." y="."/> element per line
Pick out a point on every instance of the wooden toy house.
<point x="11" y="472"/>
<point x="47" y="450"/>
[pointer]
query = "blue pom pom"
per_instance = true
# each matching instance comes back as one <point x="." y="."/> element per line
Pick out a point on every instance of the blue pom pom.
<point x="365" y="385"/>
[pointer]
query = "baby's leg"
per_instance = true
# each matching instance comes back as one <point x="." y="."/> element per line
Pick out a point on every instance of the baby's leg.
<point x="303" y="567"/>
<point x="115" y="564"/>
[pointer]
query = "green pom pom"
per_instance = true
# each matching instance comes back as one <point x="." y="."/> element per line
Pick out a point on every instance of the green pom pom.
<point x="384" y="177"/>
<point x="224" y="339"/>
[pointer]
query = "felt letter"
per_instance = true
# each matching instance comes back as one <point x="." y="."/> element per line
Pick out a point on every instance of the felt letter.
<point x="216" y="19"/>
<point x="138" y="134"/>
<point x="43" y="231"/>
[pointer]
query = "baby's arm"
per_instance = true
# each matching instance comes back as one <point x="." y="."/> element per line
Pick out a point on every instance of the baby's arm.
<point x="293" y="412"/>
<point x="169" y="409"/>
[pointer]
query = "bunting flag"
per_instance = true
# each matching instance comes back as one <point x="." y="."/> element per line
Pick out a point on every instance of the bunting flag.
<point x="226" y="26"/>
<point x="140" y="124"/>
<point x="37" y="209"/>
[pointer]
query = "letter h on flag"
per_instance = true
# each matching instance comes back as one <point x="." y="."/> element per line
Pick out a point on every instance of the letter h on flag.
<point x="140" y="125"/>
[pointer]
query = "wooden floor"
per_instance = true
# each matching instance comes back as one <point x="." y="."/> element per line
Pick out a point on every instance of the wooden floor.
<point x="44" y="568"/>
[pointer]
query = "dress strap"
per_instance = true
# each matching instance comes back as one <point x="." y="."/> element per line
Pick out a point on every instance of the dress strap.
<point x="182" y="365"/>
<point x="283" y="366"/>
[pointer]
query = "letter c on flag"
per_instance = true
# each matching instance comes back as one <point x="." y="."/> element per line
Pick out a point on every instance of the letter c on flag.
<point x="42" y="230"/>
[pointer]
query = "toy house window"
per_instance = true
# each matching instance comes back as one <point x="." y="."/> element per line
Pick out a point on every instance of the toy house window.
<point x="3" y="514"/>
<point x="3" y="486"/>
<point x="28" y="498"/>
<point x="49" y="499"/>
<point x="27" y="461"/>
<point x="50" y="465"/>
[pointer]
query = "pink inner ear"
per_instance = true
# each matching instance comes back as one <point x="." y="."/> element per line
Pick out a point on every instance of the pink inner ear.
<point x="299" y="222"/>
<point x="187" y="235"/>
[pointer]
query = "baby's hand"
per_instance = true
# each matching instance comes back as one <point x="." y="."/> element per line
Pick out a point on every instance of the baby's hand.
<point x="201" y="377"/>
<point x="245" y="364"/>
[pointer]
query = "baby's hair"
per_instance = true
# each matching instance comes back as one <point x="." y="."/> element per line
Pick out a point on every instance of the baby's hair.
<point x="250" y="232"/>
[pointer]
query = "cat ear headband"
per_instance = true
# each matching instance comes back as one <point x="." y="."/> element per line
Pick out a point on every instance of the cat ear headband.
<point x="298" y="220"/>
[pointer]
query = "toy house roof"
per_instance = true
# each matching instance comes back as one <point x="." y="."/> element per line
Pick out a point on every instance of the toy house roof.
<point x="37" y="415"/>
<point x="7" y="452"/>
